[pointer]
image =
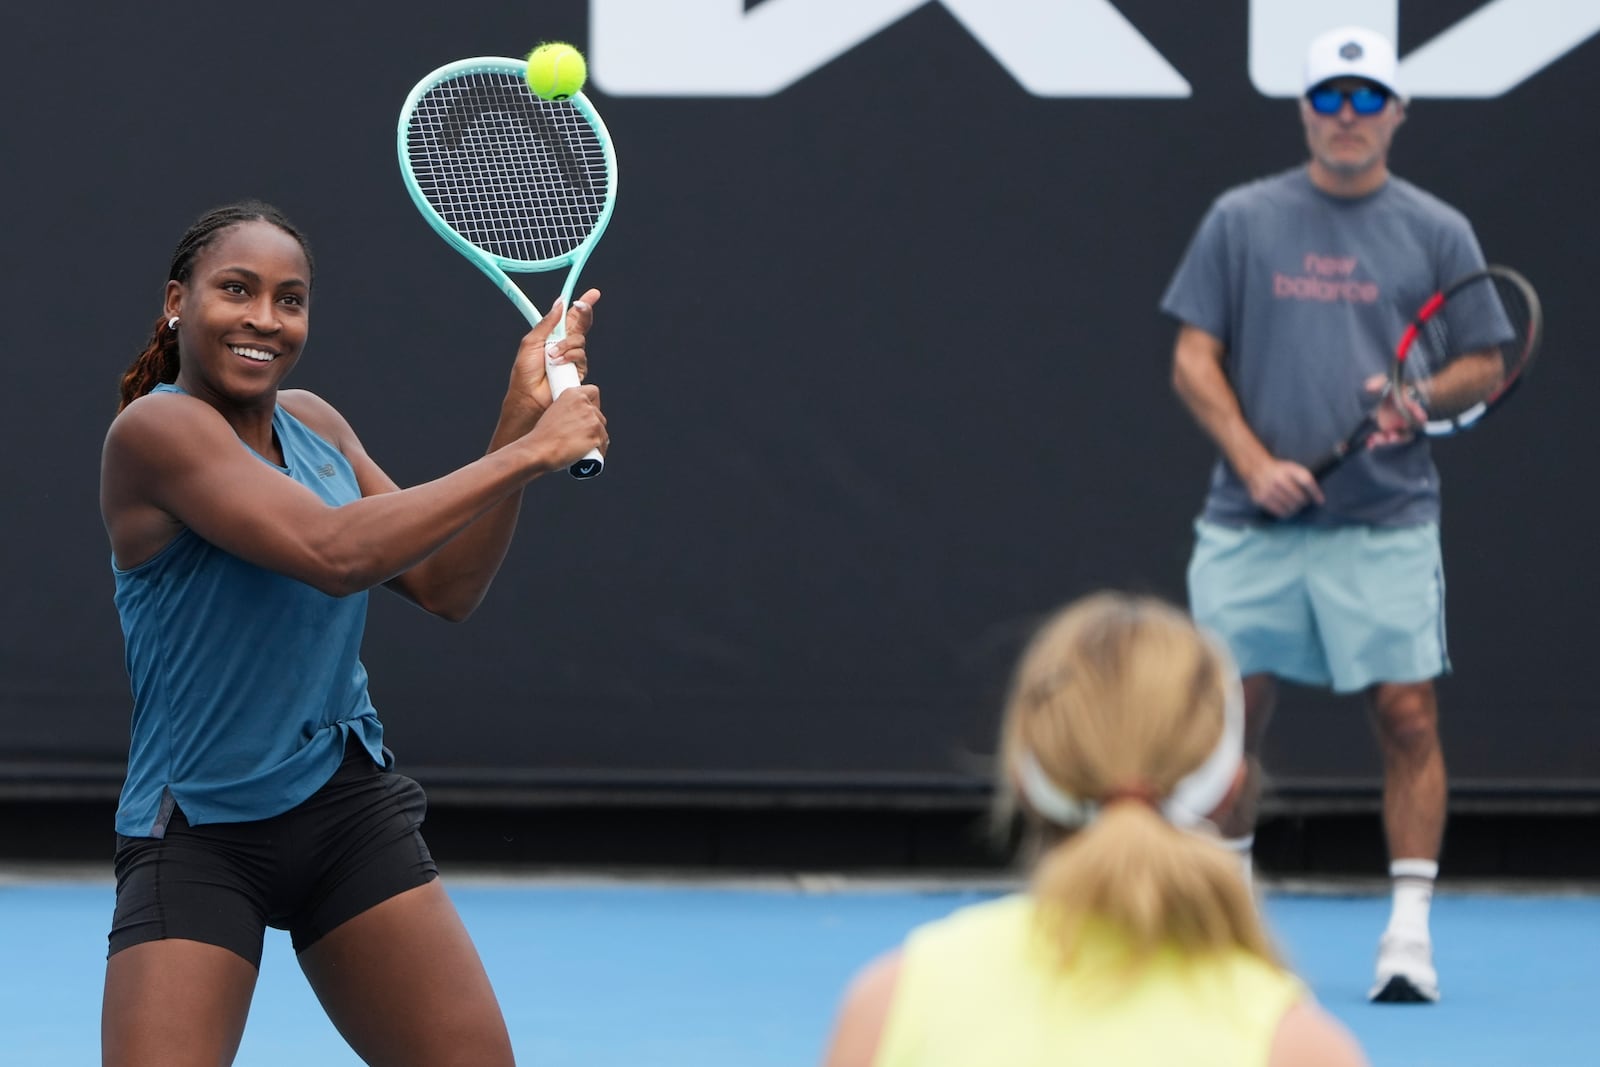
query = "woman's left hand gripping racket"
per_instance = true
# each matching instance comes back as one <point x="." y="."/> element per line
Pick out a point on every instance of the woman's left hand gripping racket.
<point x="513" y="182"/>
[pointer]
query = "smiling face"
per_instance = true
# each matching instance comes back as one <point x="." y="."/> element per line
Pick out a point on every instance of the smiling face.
<point x="244" y="313"/>
<point x="1350" y="151"/>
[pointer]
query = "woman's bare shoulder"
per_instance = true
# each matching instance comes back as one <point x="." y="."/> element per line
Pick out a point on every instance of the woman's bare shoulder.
<point x="1310" y="1037"/>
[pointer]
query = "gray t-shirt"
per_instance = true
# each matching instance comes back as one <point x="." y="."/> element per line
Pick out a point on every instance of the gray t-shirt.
<point x="1309" y="293"/>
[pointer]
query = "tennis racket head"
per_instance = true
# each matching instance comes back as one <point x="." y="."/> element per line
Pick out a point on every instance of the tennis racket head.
<point x="512" y="181"/>
<point x="1470" y="348"/>
<point x="529" y="184"/>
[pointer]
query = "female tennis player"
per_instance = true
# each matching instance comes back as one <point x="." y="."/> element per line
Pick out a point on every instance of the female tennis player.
<point x="247" y="524"/>
<point x="1137" y="942"/>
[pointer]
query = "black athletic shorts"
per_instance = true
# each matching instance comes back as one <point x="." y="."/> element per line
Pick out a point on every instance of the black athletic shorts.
<point x="352" y="844"/>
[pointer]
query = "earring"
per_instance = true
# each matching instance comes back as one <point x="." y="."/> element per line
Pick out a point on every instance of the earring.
<point x="172" y="323"/>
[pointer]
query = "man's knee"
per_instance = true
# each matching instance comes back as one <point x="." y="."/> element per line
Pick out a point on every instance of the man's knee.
<point x="1407" y="715"/>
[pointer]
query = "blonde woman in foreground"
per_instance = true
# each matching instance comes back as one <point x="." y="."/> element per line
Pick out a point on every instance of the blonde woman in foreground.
<point x="1137" y="941"/>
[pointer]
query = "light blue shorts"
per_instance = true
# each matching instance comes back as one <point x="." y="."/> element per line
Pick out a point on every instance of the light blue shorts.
<point x="1344" y="607"/>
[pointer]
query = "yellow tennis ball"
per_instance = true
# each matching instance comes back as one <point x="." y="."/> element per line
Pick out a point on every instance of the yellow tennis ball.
<point x="556" y="70"/>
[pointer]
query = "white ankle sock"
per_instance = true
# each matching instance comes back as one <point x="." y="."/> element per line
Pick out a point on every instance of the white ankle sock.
<point x="1413" y="894"/>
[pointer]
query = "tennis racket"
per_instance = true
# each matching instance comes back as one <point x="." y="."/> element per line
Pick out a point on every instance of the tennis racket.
<point x="1460" y="359"/>
<point x="511" y="181"/>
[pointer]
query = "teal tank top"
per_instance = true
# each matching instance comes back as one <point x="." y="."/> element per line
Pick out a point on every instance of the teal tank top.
<point x="246" y="683"/>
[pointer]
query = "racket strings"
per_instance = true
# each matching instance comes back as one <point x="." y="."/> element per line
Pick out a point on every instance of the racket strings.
<point x="1474" y="348"/>
<point x="519" y="177"/>
<point x="1429" y="353"/>
<point x="1521" y="321"/>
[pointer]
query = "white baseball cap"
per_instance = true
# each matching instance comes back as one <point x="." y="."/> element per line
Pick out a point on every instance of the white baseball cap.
<point x="1352" y="52"/>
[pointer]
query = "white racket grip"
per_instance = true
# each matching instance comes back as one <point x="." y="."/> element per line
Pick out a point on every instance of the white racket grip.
<point x="563" y="376"/>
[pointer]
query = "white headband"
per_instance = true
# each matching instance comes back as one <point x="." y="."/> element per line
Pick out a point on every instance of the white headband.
<point x="1192" y="800"/>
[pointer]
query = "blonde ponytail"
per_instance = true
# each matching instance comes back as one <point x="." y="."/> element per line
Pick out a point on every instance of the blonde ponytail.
<point x="1155" y="884"/>
<point x="1118" y="699"/>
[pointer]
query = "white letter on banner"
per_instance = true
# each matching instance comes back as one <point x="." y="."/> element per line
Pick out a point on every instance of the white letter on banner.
<point x="1499" y="46"/>
<point x="1487" y="53"/>
<point x="717" y="48"/>
<point x="1069" y="48"/>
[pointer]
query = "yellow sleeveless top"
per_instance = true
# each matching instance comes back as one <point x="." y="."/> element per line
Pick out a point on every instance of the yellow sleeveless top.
<point x="979" y="989"/>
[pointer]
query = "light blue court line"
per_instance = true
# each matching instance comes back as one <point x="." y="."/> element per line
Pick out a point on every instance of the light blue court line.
<point x="625" y="975"/>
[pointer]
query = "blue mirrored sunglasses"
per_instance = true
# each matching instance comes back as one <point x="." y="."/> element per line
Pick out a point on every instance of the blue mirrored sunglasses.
<point x="1364" y="99"/>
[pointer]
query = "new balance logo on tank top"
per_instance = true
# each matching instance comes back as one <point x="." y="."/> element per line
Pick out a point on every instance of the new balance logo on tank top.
<point x="245" y="682"/>
<point x="1309" y="293"/>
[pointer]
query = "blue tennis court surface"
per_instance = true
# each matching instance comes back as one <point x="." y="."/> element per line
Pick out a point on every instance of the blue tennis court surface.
<point x="654" y="975"/>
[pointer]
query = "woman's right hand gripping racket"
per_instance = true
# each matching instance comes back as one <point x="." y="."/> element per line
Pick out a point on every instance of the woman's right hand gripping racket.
<point x="1462" y="357"/>
<point x="512" y="181"/>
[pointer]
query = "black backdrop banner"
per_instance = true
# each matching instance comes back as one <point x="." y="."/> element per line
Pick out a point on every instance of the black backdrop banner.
<point x="881" y="357"/>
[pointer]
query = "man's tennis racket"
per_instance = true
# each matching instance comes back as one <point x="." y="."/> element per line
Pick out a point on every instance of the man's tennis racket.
<point x="1461" y="358"/>
<point x="513" y="182"/>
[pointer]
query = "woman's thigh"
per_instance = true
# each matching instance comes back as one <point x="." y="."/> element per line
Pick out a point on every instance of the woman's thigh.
<point x="404" y="984"/>
<point x="174" y="1003"/>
